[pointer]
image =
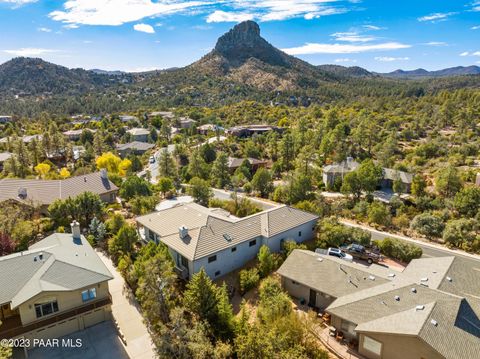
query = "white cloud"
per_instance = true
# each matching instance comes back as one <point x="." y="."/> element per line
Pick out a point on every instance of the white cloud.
<point x="436" y="43"/>
<point x="344" y="60"/>
<point x="315" y="48"/>
<point x="390" y="59"/>
<point x="475" y="27"/>
<point x="352" y="37"/>
<point x="223" y="16"/>
<point x="144" y="28"/>
<point x="476" y="53"/>
<point x="372" y="27"/>
<point x="29" y="51"/>
<point x="118" y="12"/>
<point x="438" y="16"/>
<point x="466" y="53"/>
<point x="44" y="29"/>
<point x="18" y="2"/>
<point x="476" y="6"/>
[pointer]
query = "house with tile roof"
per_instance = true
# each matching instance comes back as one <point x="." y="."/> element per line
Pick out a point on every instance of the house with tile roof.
<point x="42" y="193"/>
<point x="199" y="237"/>
<point x="429" y="310"/>
<point x="56" y="287"/>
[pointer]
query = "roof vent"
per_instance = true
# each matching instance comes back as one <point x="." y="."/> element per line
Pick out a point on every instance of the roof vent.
<point x="413" y="290"/>
<point x="371" y="277"/>
<point x="420" y="307"/>
<point x="183" y="231"/>
<point x="228" y="237"/>
<point x="397" y="298"/>
<point x="40" y="256"/>
<point x="449" y="279"/>
<point x="22" y="193"/>
<point x="424" y="279"/>
<point x="383" y="302"/>
<point x="434" y="322"/>
<point x="392" y="275"/>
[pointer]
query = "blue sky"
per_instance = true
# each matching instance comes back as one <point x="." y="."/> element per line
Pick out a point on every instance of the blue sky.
<point x="138" y="35"/>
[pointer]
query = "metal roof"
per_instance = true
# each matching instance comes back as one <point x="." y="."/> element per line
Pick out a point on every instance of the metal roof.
<point x="56" y="263"/>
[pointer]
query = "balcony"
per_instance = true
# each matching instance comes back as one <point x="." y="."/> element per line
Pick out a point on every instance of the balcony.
<point x="13" y="327"/>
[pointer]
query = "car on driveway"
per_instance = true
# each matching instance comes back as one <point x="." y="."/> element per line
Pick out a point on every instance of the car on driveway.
<point x="151" y="159"/>
<point x="335" y="252"/>
<point x="358" y="251"/>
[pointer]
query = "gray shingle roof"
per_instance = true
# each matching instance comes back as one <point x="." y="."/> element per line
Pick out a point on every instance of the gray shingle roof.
<point x="45" y="192"/>
<point x="206" y="228"/>
<point x="5" y="156"/>
<point x="330" y="275"/>
<point x="67" y="264"/>
<point x="135" y="145"/>
<point x="138" y="131"/>
<point x="391" y="174"/>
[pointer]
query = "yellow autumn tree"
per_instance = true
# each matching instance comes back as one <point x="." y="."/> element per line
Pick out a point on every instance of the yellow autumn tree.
<point x="42" y="169"/>
<point x="64" y="173"/>
<point x="113" y="164"/>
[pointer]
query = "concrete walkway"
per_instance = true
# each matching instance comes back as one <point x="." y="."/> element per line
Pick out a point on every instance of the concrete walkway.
<point x="126" y="312"/>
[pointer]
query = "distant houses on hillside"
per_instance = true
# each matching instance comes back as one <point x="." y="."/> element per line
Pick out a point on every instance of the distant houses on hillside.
<point x="250" y="130"/>
<point x="5" y="119"/>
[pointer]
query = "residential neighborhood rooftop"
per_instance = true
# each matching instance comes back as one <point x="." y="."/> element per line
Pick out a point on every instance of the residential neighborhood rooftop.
<point x="137" y="145"/>
<point x="59" y="262"/>
<point x="44" y="192"/>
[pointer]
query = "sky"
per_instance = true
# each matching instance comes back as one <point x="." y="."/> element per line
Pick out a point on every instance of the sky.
<point x="141" y="35"/>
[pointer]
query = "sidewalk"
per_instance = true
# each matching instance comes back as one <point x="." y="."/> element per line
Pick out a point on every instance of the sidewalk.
<point x="126" y="312"/>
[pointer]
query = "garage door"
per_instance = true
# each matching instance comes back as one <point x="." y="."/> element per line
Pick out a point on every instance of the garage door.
<point x="58" y="329"/>
<point x="94" y="317"/>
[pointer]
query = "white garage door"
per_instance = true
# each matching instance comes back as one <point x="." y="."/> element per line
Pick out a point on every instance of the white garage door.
<point x="94" y="317"/>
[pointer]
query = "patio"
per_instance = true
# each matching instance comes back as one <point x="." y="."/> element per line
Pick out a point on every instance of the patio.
<point x="327" y="334"/>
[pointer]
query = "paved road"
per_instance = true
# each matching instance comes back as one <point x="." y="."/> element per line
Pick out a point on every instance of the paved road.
<point x="429" y="250"/>
<point x="225" y="195"/>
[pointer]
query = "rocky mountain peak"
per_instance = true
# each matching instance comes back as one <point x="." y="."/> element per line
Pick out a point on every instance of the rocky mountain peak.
<point x="244" y="41"/>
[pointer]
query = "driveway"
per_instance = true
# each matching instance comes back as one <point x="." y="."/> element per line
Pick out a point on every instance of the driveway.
<point x="127" y="313"/>
<point x="98" y="342"/>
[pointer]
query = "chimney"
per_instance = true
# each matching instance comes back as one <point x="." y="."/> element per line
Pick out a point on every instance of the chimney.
<point x="103" y="173"/>
<point x="75" y="229"/>
<point x="183" y="231"/>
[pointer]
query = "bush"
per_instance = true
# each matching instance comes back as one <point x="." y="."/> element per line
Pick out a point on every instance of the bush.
<point x="331" y="233"/>
<point x="428" y="225"/>
<point x="266" y="261"/>
<point x="397" y="249"/>
<point x="290" y="245"/>
<point x="249" y="279"/>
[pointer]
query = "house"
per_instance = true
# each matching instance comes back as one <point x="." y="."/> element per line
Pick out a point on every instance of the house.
<point x="74" y="135"/>
<point x="391" y="175"/>
<point x="4" y="156"/>
<point x="199" y="237"/>
<point x="57" y="287"/>
<point x="139" y="134"/>
<point x="207" y="128"/>
<point x="250" y="130"/>
<point x="430" y="310"/>
<point x="42" y="193"/>
<point x="234" y="163"/>
<point x="137" y="148"/>
<point x="186" y="122"/>
<point x="336" y="171"/>
<point x="25" y="139"/>
<point x="5" y="119"/>
<point x="164" y="114"/>
<point x="127" y="118"/>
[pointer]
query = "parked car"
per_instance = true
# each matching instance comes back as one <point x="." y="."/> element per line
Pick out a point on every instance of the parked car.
<point x="360" y="252"/>
<point x="151" y="159"/>
<point x="335" y="252"/>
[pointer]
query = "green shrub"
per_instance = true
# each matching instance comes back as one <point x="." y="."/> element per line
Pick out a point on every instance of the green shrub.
<point x="397" y="249"/>
<point x="249" y="279"/>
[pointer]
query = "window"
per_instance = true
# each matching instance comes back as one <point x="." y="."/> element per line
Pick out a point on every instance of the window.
<point x="212" y="259"/>
<point x="252" y="243"/>
<point x="234" y="249"/>
<point x="151" y="235"/>
<point x="89" y="294"/>
<point x="44" y="309"/>
<point x="372" y="345"/>
<point x="300" y="233"/>
<point x="217" y="273"/>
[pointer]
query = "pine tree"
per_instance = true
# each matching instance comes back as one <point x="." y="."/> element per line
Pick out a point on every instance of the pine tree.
<point x="220" y="175"/>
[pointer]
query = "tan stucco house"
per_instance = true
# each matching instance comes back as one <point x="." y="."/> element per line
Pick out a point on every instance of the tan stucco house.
<point x="430" y="310"/>
<point x="56" y="287"/>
